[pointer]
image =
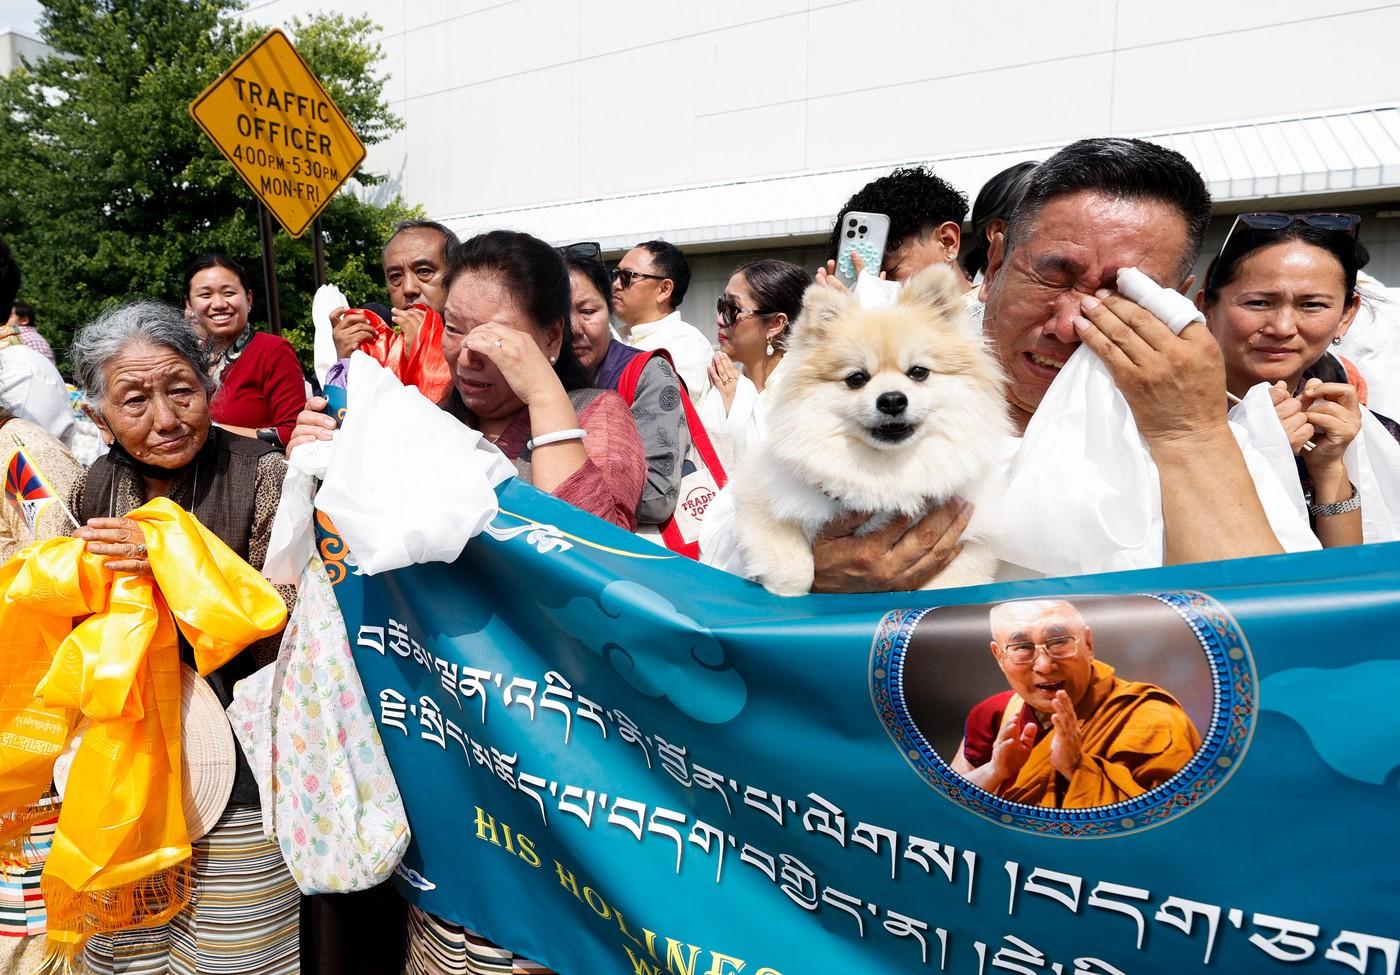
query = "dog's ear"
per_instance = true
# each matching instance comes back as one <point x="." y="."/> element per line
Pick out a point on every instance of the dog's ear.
<point x="936" y="289"/>
<point x="822" y="307"/>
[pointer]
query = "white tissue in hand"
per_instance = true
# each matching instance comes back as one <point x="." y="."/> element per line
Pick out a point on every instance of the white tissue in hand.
<point x="873" y="292"/>
<point x="1172" y="308"/>
<point x="326" y="300"/>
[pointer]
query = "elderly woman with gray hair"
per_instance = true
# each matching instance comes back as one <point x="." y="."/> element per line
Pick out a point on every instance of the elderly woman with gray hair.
<point x="146" y="384"/>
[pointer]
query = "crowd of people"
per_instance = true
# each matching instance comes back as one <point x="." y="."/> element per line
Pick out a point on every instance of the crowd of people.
<point x="590" y="381"/>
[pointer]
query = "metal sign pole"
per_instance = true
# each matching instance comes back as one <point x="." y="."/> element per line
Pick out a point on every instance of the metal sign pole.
<point x="274" y="311"/>
<point x="319" y="247"/>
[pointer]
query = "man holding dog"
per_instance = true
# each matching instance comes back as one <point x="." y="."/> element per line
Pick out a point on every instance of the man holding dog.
<point x="1094" y="207"/>
<point x="1069" y="733"/>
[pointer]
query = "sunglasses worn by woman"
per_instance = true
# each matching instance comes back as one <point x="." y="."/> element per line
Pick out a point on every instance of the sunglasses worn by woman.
<point x="752" y="318"/>
<point x="729" y="313"/>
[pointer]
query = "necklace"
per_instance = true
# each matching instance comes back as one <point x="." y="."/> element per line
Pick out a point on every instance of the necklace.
<point x="230" y="355"/>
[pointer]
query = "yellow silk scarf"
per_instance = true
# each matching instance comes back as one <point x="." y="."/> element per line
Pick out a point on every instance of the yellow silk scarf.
<point x="104" y="646"/>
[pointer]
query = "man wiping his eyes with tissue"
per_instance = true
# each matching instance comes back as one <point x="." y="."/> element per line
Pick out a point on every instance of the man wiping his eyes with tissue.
<point x="1052" y="284"/>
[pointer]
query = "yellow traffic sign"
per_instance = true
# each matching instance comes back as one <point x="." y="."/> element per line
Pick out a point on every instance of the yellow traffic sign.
<point x="269" y="115"/>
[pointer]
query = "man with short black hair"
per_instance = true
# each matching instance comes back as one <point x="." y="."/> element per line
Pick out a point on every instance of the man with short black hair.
<point x="649" y="284"/>
<point x="415" y="263"/>
<point x="1094" y="207"/>
<point x="22" y="318"/>
<point x="926" y="215"/>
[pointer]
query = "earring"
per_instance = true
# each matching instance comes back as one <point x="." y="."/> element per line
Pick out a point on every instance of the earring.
<point x="769" y="350"/>
<point x="1337" y="340"/>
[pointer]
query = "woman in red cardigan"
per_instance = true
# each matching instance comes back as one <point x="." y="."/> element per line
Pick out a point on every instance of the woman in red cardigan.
<point x="260" y="384"/>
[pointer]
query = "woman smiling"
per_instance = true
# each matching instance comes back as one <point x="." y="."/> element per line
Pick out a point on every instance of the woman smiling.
<point x="260" y="385"/>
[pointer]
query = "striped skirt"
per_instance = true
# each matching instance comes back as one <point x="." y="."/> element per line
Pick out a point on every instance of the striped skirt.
<point x="242" y="919"/>
<point x="22" y="916"/>
<point x="438" y="947"/>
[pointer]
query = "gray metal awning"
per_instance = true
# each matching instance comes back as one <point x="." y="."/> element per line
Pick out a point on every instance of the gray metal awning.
<point x="1342" y="153"/>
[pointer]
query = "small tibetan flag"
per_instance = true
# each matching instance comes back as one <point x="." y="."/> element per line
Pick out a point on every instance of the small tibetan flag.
<point x="25" y="486"/>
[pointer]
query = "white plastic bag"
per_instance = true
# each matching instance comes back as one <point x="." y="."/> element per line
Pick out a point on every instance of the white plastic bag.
<point x="293" y="537"/>
<point x="407" y="482"/>
<point x="329" y="799"/>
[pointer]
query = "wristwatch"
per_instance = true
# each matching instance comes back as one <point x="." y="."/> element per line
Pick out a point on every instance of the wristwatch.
<point x="1352" y="503"/>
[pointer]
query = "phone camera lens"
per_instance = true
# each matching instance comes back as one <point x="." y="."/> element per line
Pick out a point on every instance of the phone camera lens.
<point x="853" y="223"/>
<point x="863" y="229"/>
<point x="850" y="233"/>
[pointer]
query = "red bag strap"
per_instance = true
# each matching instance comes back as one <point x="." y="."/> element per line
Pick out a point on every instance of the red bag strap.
<point x="699" y="436"/>
<point x="699" y="439"/>
<point x="632" y="374"/>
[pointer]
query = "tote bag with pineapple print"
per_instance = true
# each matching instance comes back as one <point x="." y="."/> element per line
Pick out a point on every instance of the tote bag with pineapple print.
<point x="329" y="799"/>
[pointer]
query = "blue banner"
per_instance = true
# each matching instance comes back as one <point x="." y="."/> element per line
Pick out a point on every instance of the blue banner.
<point x="617" y="760"/>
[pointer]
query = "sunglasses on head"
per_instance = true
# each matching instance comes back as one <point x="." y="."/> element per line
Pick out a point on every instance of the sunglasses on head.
<point x="1337" y="223"/>
<point x="587" y="250"/>
<point x="729" y="311"/>
<point x="625" y="277"/>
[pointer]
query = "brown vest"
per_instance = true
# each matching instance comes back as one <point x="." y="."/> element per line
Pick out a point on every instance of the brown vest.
<point x="218" y="491"/>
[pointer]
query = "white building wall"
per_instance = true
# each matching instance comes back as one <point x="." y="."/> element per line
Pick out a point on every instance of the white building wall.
<point x="511" y="105"/>
<point x="16" y="48"/>
<point x="522" y="102"/>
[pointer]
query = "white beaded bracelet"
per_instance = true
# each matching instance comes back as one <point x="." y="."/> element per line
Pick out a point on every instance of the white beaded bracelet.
<point x="558" y="436"/>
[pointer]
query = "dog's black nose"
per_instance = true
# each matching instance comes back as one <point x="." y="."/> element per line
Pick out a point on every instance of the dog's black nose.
<point x="891" y="404"/>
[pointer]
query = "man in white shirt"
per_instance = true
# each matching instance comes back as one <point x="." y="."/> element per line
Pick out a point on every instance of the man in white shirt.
<point x="1094" y="207"/>
<point x="649" y="284"/>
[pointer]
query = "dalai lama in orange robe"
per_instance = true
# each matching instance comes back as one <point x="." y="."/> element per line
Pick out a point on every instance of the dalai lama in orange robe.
<point x="1069" y="733"/>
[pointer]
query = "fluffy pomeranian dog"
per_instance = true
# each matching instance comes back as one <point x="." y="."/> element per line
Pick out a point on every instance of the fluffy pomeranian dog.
<point x="888" y="411"/>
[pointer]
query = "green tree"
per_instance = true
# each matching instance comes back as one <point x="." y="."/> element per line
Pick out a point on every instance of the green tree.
<point x="108" y="187"/>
